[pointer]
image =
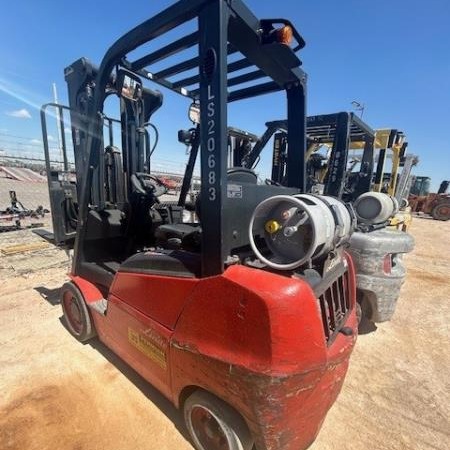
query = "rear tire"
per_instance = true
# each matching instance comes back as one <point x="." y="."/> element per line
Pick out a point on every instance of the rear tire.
<point x="214" y="425"/>
<point x="76" y="314"/>
<point x="441" y="211"/>
<point x="358" y="313"/>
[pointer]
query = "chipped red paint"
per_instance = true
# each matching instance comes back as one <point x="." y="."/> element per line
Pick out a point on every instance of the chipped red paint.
<point x="250" y="337"/>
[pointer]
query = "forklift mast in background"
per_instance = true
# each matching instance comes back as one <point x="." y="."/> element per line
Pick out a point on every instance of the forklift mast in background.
<point x="404" y="180"/>
<point x="339" y="133"/>
<point x="342" y="132"/>
<point x="393" y="141"/>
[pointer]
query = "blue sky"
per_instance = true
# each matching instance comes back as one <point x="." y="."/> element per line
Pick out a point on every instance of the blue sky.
<point x="393" y="56"/>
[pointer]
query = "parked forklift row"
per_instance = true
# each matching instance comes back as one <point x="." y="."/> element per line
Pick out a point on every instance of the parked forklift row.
<point x="284" y="269"/>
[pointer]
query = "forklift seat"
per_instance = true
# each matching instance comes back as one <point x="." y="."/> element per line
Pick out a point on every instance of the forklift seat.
<point x="241" y="175"/>
<point x="187" y="235"/>
<point x="171" y="235"/>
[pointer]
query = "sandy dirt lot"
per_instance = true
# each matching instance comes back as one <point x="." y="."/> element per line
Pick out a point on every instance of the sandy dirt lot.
<point x="59" y="394"/>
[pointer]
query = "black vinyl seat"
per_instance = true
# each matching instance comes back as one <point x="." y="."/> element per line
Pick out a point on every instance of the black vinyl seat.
<point x="241" y="175"/>
<point x="171" y="235"/>
<point x="174" y="230"/>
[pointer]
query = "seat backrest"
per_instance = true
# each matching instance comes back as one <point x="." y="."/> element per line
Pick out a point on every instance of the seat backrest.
<point x="114" y="178"/>
<point x="242" y="175"/>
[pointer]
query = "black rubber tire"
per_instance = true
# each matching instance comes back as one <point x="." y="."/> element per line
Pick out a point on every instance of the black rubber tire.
<point x="358" y="312"/>
<point x="364" y="314"/>
<point x="71" y="297"/>
<point x="232" y="426"/>
<point x="440" y="211"/>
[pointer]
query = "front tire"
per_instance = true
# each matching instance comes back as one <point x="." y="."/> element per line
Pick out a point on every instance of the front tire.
<point x="441" y="211"/>
<point x="76" y="313"/>
<point x="213" y="425"/>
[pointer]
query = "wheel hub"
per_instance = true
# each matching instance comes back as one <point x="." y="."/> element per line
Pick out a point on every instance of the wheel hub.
<point x="73" y="312"/>
<point x="208" y="430"/>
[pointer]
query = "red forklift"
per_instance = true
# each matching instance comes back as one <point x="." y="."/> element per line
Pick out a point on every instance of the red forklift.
<point x="245" y="319"/>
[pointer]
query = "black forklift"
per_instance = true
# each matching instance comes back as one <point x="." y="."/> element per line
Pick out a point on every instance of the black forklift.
<point x="251" y="353"/>
<point x="329" y="174"/>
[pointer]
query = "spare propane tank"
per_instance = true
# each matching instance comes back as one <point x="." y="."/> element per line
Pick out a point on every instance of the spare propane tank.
<point x="374" y="208"/>
<point x="288" y="231"/>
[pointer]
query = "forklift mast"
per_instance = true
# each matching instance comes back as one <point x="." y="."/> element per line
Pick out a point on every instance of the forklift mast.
<point x="394" y="141"/>
<point x="223" y="28"/>
<point x="343" y="132"/>
<point x="339" y="132"/>
<point x="404" y="180"/>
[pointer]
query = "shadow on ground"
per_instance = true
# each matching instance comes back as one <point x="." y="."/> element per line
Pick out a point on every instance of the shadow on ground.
<point x="50" y="295"/>
<point x="161" y="402"/>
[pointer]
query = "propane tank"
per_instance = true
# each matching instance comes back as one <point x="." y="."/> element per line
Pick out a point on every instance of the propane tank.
<point x="288" y="231"/>
<point x="374" y="208"/>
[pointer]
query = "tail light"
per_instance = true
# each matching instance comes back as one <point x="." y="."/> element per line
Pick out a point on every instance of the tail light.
<point x="285" y="35"/>
<point x="387" y="264"/>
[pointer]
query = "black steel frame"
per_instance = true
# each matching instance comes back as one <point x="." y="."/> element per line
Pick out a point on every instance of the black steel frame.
<point x="338" y="130"/>
<point x="224" y="27"/>
<point x="394" y="137"/>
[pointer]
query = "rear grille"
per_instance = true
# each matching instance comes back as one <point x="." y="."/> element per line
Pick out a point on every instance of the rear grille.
<point x="334" y="305"/>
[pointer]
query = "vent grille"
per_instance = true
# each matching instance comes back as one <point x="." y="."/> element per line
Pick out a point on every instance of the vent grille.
<point x="334" y="305"/>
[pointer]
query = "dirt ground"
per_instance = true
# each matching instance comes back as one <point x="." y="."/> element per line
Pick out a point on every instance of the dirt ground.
<point x="59" y="394"/>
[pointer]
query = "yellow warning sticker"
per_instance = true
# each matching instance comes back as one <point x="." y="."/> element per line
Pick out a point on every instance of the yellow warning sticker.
<point x="148" y="348"/>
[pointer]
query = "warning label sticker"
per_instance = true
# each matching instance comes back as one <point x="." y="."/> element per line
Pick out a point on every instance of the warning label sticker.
<point x="234" y="191"/>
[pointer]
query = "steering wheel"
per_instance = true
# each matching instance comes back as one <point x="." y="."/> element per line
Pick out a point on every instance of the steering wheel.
<point x="148" y="185"/>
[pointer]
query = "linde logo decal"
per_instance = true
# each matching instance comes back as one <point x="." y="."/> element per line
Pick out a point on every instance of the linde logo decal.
<point x="148" y="346"/>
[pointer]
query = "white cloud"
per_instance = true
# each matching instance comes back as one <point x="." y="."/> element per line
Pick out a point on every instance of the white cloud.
<point x="20" y="114"/>
<point x="36" y="141"/>
<point x="50" y="137"/>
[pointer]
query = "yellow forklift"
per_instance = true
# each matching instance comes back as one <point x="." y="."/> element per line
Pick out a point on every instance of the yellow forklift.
<point x="392" y="142"/>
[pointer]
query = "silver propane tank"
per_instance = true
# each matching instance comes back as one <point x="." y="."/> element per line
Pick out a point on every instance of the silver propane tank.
<point x="288" y="231"/>
<point x="374" y="208"/>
